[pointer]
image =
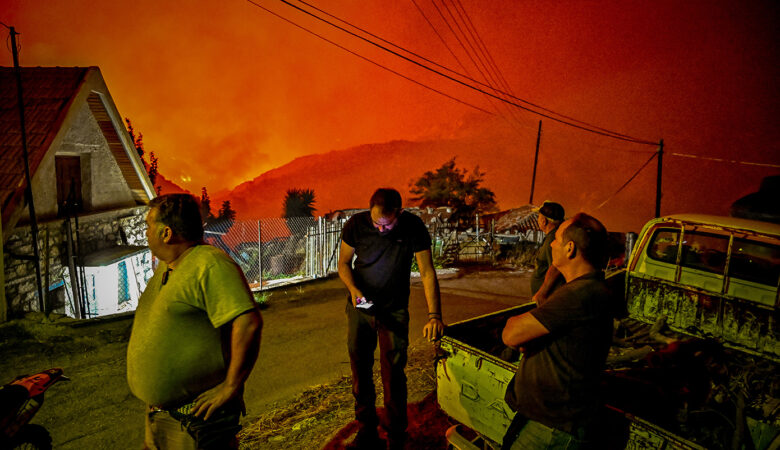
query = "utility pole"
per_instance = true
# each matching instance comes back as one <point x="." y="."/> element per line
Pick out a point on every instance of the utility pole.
<point x="658" y="179"/>
<point x="28" y="189"/>
<point x="536" y="159"/>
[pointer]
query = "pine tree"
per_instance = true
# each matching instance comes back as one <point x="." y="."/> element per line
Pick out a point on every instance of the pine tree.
<point x="205" y="206"/>
<point x="152" y="167"/>
<point x="226" y="212"/>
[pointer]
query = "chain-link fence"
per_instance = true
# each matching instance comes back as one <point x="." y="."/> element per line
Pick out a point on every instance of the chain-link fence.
<point x="278" y="250"/>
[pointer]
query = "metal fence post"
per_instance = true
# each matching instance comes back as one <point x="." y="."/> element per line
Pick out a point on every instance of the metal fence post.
<point x="260" y="252"/>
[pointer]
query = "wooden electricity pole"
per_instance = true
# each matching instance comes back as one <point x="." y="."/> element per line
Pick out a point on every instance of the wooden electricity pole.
<point x="658" y="179"/>
<point x="28" y="194"/>
<point x="536" y="160"/>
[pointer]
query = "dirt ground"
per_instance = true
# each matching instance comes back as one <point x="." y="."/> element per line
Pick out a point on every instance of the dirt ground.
<point x="96" y="410"/>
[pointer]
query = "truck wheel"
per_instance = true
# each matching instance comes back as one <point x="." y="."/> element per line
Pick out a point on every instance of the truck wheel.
<point x="32" y="437"/>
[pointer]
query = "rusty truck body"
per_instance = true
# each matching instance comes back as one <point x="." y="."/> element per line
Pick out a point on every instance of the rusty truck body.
<point x="694" y="362"/>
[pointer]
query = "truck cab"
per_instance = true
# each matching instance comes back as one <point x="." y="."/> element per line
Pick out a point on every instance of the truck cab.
<point x="709" y="276"/>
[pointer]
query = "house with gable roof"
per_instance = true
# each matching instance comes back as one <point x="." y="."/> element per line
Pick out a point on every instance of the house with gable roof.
<point x="90" y="190"/>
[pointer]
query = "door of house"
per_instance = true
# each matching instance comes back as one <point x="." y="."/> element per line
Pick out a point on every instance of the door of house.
<point x="68" y="170"/>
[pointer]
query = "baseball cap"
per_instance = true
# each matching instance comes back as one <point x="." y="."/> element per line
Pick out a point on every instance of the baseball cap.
<point x="551" y="210"/>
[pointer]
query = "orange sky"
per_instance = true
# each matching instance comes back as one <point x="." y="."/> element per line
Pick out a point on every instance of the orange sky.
<point x="223" y="91"/>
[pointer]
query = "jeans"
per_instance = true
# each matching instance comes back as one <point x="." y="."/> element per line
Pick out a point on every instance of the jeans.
<point x="391" y="330"/>
<point x="164" y="432"/>
<point x="535" y="436"/>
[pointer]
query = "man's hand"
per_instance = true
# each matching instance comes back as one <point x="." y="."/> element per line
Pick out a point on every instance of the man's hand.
<point x="434" y="329"/>
<point x="356" y="294"/>
<point x="538" y="298"/>
<point x="211" y="400"/>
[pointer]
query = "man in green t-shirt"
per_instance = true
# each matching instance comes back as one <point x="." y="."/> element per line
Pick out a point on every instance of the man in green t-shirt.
<point x="195" y="336"/>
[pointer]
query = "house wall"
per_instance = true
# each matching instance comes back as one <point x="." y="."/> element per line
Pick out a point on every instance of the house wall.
<point x="96" y="231"/>
<point x="102" y="184"/>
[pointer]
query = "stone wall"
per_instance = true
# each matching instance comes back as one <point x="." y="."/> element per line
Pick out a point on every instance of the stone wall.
<point x="97" y="231"/>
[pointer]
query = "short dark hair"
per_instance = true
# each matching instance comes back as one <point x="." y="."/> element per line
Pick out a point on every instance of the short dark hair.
<point x="386" y="198"/>
<point x="590" y="238"/>
<point x="180" y="212"/>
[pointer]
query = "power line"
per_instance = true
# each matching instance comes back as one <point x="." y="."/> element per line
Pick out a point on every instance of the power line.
<point x="498" y="110"/>
<point x="362" y="30"/>
<point x="467" y="77"/>
<point x="493" y="74"/>
<point x="369" y="60"/>
<point x="488" y="78"/>
<point x="610" y="134"/>
<point x="629" y="181"/>
<point x="732" y="161"/>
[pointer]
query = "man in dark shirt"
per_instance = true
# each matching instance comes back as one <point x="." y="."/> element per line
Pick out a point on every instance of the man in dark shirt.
<point x="546" y="277"/>
<point x="566" y="340"/>
<point x="385" y="239"/>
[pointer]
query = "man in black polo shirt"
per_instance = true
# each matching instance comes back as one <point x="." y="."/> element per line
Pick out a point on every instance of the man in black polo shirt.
<point x="565" y="340"/>
<point x="385" y="239"/>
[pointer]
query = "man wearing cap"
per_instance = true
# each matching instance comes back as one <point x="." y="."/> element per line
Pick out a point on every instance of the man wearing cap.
<point x="546" y="278"/>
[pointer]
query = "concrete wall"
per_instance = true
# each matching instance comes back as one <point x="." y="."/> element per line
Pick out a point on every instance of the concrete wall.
<point x="102" y="184"/>
<point x="96" y="231"/>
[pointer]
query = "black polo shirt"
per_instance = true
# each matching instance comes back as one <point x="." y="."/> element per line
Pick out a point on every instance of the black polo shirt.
<point x="384" y="260"/>
<point x="558" y="377"/>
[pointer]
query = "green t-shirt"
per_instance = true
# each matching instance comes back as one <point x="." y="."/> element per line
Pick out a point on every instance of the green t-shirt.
<point x="176" y="347"/>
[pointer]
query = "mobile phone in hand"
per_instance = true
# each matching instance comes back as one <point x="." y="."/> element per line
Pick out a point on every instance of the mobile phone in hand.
<point x="361" y="302"/>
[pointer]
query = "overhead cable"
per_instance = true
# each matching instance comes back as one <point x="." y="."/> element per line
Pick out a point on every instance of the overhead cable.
<point x="467" y="77"/>
<point x="369" y="60"/>
<point x="444" y="42"/>
<point x="488" y="78"/>
<point x="626" y="183"/>
<point x="607" y="133"/>
<point x="732" y="161"/>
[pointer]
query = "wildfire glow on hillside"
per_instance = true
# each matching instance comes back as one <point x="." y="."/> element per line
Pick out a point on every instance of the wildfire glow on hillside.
<point x="225" y="91"/>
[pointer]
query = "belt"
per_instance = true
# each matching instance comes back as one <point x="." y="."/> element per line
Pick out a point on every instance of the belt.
<point x="177" y="413"/>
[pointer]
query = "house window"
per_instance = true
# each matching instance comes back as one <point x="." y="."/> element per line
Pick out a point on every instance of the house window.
<point x="68" y="170"/>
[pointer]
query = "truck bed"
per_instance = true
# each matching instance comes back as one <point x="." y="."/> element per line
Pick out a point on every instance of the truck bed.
<point x="657" y="394"/>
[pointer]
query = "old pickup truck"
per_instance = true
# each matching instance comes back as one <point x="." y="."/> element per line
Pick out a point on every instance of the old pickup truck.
<point x="694" y="361"/>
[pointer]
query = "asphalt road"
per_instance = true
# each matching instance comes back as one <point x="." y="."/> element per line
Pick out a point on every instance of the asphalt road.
<point x="305" y="344"/>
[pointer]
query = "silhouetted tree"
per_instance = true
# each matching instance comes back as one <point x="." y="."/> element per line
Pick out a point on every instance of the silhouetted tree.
<point x="226" y="212"/>
<point x="298" y="203"/>
<point x="138" y="143"/>
<point x="205" y="206"/>
<point x="456" y="188"/>
<point x="152" y="171"/>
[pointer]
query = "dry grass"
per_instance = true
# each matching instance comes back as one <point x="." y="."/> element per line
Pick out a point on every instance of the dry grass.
<point x="322" y="416"/>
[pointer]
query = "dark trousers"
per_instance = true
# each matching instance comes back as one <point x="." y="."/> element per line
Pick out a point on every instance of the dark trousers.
<point x="392" y="331"/>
